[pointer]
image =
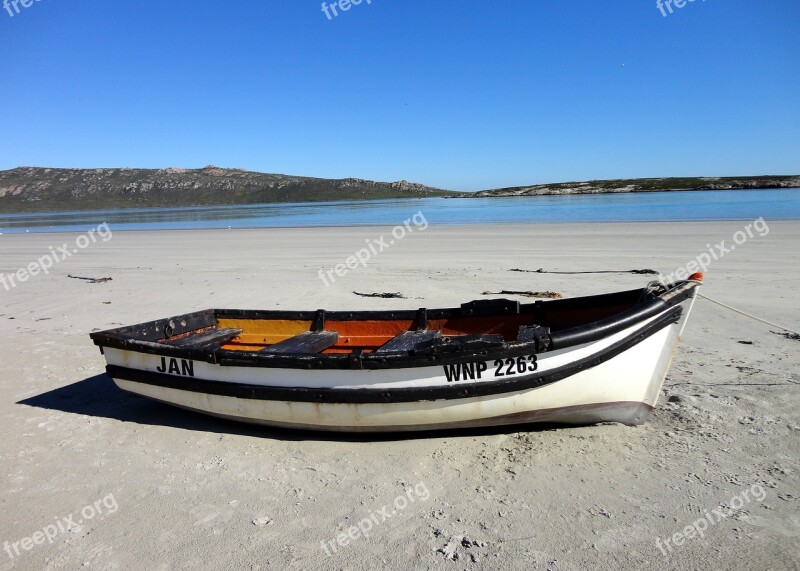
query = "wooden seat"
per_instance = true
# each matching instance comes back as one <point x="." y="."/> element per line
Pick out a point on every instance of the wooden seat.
<point x="205" y="339"/>
<point x="306" y="342"/>
<point x="408" y="340"/>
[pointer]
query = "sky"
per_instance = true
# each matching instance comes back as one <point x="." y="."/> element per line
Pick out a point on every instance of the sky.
<point x="462" y="95"/>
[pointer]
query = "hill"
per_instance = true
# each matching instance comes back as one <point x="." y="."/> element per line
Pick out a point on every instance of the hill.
<point x="32" y="189"/>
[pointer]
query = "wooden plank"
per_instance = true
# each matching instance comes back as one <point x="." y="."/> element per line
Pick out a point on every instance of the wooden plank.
<point x="532" y="332"/>
<point x="207" y="338"/>
<point x="307" y="342"/>
<point x="461" y="343"/>
<point x="408" y="340"/>
<point x="490" y="307"/>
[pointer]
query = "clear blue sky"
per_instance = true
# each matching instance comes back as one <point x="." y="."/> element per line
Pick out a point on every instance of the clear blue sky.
<point x="458" y="94"/>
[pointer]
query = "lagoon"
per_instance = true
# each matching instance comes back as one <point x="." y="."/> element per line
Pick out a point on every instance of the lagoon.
<point x="772" y="204"/>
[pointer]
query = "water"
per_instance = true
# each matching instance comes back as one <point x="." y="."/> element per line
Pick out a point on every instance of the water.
<point x="781" y="204"/>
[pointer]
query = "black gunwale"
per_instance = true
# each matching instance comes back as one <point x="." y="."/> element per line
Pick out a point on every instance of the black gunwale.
<point x="407" y="394"/>
<point x="144" y="337"/>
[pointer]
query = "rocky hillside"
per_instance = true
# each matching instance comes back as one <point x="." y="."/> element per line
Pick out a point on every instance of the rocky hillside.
<point x="643" y="185"/>
<point x="30" y="189"/>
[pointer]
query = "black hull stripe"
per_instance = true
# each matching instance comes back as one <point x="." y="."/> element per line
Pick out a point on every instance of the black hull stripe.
<point x="408" y="394"/>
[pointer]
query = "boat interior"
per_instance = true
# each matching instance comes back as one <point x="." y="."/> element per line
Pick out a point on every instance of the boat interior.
<point x="479" y="323"/>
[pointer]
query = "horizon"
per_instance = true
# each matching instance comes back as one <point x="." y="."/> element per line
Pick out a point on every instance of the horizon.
<point x="445" y="95"/>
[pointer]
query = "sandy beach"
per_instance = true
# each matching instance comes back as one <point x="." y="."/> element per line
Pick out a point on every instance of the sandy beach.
<point x="97" y="478"/>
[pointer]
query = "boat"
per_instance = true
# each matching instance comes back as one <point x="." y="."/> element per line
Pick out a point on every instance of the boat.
<point x="573" y="361"/>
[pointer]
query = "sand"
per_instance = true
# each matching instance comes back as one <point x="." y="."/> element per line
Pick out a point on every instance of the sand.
<point x="142" y="485"/>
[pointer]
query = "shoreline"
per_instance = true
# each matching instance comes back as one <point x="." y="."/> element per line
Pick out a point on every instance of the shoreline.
<point x="582" y="224"/>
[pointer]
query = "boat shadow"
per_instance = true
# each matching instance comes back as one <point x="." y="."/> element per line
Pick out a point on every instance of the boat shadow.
<point x="98" y="396"/>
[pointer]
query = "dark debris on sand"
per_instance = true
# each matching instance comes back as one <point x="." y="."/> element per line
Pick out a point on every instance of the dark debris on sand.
<point x="90" y="280"/>
<point x="544" y="294"/>
<point x="389" y="295"/>
<point x="646" y="272"/>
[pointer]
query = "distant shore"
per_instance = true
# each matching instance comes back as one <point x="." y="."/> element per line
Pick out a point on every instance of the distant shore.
<point x="35" y="189"/>
<point x="616" y="186"/>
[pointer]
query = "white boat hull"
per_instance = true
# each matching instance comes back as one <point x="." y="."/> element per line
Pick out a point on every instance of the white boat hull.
<point x="620" y="388"/>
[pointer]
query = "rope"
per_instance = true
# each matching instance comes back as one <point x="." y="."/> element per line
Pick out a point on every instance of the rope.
<point x="748" y="314"/>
